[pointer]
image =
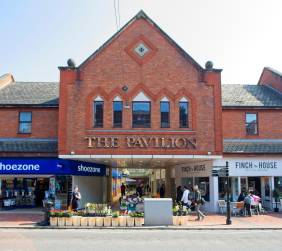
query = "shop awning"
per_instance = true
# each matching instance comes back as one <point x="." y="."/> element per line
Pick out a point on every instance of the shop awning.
<point x="51" y="166"/>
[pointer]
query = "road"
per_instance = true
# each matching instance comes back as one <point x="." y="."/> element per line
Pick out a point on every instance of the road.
<point x="137" y="240"/>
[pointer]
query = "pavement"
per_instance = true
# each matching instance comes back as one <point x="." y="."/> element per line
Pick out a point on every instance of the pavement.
<point x="270" y="220"/>
<point x="139" y="240"/>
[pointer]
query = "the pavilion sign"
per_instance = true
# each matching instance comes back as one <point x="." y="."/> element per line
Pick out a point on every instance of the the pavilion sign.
<point x="142" y="142"/>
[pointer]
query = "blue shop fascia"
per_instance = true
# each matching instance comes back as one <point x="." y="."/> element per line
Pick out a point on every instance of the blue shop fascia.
<point x="28" y="182"/>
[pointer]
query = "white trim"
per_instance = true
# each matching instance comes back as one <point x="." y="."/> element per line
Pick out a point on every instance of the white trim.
<point x="98" y="98"/>
<point x="140" y="156"/>
<point x="117" y="98"/>
<point x="164" y="99"/>
<point x="141" y="97"/>
<point x="183" y="99"/>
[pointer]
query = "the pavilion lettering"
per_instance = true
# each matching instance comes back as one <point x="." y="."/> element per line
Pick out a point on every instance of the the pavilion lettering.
<point x="142" y="142"/>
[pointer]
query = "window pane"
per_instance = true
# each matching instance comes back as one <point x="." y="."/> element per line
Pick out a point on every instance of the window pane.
<point x="164" y="107"/>
<point x="141" y="114"/>
<point x="98" y="113"/>
<point x="25" y="116"/>
<point x="25" y="127"/>
<point x="117" y="109"/>
<point x="183" y="114"/>
<point x="251" y="123"/>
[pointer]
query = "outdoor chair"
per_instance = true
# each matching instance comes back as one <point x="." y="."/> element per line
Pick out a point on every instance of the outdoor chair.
<point x="238" y="208"/>
<point x="222" y="205"/>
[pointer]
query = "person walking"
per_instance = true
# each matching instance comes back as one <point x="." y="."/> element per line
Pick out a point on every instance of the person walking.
<point x="198" y="203"/>
<point x="162" y="191"/>
<point x="75" y="200"/>
<point x="122" y="189"/>
<point x="185" y="197"/>
<point x="248" y="203"/>
<point x="179" y="194"/>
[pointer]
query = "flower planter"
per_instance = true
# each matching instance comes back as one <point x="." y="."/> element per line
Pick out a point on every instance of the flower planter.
<point x="61" y="221"/>
<point x="84" y="221"/>
<point x="99" y="221"/>
<point x="176" y="220"/>
<point x="53" y="221"/>
<point x="122" y="221"/>
<point x="92" y="221"/>
<point x="183" y="220"/>
<point x="68" y="221"/>
<point x="107" y="221"/>
<point x="139" y="221"/>
<point x="115" y="222"/>
<point x="130" y="221"/>
<point x="76" y="221"/>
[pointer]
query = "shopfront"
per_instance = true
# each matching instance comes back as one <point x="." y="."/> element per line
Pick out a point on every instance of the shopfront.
<point x="26" y="182"/>
<point x="259" y="175"/>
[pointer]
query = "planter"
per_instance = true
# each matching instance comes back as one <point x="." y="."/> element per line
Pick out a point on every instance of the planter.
<point x="139" y="221"/>
<point x="92" y="221"/>
<point x="130" y="221"/>
<point x="61" y="221"/>
<point x="183" y="220"/>
<point x="53" y="221"/>
<point x="84" y="221"/>
<point x="115" y="222"/>
<point x="68" y="221"/>
<point x="107" y="221"/>
<point x="122" y="221"/>
<point x="76" y="221"/>
<point x="176" y="220"/>
<point x="99" y="221"/>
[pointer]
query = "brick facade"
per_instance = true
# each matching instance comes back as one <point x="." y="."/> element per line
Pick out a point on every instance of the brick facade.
<point x="269" y="124"/>
<point x="44" y="122"/>
<point x="166" y="72"/>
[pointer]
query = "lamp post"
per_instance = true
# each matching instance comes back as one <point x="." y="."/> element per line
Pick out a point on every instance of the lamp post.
<point x="228" y="210"/>
<point x="223" y="171"/>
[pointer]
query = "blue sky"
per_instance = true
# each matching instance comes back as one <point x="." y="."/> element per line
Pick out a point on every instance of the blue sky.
<point x="239" y="36"/>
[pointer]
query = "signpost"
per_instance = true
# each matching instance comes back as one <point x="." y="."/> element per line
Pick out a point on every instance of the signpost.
<point x="223" y="171"/>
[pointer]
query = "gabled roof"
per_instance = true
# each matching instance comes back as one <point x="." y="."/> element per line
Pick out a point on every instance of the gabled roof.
<point x="30" y="94"/>
<point x="250" y="96"/>
<point x="142" y="14"/>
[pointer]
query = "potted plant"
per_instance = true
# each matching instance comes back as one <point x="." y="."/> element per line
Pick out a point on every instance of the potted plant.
<point x="184" y="216"/>
<point x="84" y="220"/>
<point x="175" y="217"/>
<point x="115" y="219"/>
<point x="276" y="196"/>
<point x="53" y="219"/>
<point x="76" y="219"/>
<point x="60" y="218"/>
<point x="139" y="219"/>
<point x="122" y="221"/>
<point x="108" y="217"/>
<point x="130" y="220"/>
<point x="68" y="218"/>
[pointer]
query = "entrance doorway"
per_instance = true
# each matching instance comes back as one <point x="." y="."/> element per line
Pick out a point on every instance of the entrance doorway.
<point x="254" y="185"/>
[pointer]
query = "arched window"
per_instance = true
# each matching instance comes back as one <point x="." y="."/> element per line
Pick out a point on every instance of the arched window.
<point x="183" y="113"/>
<point x="117" y="112"/>
<point x="165" y="113"/>
<point x="98" y="112"/>
<point x="141" y="111"/>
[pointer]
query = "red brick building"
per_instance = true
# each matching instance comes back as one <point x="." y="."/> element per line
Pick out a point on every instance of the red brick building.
<point x="141" y="102"/>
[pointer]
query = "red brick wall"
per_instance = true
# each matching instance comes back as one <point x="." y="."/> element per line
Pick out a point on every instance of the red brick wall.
<point x="269" y="124"/>
<point x="166" y="73"/>
<point x="44" y="123"/>
<point x="271" y="79"/>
